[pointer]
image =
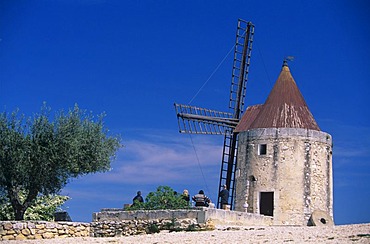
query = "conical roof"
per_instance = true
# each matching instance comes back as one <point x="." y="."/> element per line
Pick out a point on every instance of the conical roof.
<point x="285" y="107"/>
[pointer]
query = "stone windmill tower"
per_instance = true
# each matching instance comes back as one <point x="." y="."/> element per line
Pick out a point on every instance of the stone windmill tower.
<point x="284" y="165"/>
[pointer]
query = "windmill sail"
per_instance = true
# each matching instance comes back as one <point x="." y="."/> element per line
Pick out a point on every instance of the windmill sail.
<point x="242" y="56"/>
<point x="240" y="71"/>
<point x="196" y="120"/>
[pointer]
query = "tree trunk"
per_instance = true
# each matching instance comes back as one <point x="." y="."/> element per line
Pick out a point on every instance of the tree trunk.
<point x="19" y="212"/>
<point x="20" y="208"/>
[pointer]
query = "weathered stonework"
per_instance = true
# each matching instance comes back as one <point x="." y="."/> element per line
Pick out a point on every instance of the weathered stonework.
<point x="196" y="215"/>
<point x="117" y="223"/>
<point x="16" y="230"/>
<point x="141" y="226"/>
<point x="296" y="169"/>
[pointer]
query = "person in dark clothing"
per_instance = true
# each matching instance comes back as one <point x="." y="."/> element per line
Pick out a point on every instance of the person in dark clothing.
<point x="224" y="195"/>
<point x="185" y="196"/>
<point x="201" y="200"/>
<point x="137" y="198"/>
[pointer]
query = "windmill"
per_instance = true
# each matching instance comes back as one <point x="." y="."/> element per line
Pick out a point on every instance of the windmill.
<point x="197" y="120"/>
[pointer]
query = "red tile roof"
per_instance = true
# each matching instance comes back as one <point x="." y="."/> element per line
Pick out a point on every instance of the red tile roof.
<point x="285" y="107"/>
<point x="248" y="118"/>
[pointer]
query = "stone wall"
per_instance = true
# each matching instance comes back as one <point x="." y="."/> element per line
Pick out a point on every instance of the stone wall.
<point x="145" y="226"/>
<point x="23" y="230"/>
<point x="117" y="223"/>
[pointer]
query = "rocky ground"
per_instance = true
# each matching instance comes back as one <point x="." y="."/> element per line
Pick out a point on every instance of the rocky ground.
<point x="359" y="233"/>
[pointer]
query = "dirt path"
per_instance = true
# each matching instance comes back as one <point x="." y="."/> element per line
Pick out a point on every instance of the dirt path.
<point x="278" y="234"/>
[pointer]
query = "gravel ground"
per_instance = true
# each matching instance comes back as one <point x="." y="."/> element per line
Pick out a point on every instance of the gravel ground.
<point x="359" y="233"/>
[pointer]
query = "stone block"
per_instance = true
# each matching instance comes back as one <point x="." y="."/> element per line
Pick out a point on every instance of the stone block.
<point x="48" y="235"/>
<point x="40" y="226"/>
<point x="33" y="231"/>
<point x="80" y="228"/>
<point x="20" y="237"/>
<point x="210" y="225"/>
<point x="7" y="226"/>
<point x="19" y="225"/>
<point x="54" y="230"/>
<point x="50" y="225"/>
<point x="201" y="217"/>
<point x="26" y="232"/>
<point x="8" y="237"/>
<point x="10" y="232"/>
<point x="31" y="225"/>
<point x="60" y="227"/>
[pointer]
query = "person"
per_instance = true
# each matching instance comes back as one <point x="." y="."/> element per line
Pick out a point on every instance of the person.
<point x="137" y="198"/>
<point x="185" y="196"/>
<point x="201" y="200"/>
<point x="211" y="204"/>
<point x="224" y="195"/>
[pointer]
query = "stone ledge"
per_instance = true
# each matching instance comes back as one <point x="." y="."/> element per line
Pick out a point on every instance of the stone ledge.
<point x="313" y="135"/>
<point x="201" y="215"/>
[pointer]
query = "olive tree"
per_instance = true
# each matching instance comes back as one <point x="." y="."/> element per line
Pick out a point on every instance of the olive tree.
<point x="39" y="155"/>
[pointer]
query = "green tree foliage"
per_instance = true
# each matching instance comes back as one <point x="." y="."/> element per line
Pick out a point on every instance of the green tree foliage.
<point x="164" y="198"/>
<point x="39" y="156"/>
<point x="43" y="208"/>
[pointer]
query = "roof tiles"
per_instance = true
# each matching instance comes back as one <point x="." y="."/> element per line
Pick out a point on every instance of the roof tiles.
<point x="285" y="107"/>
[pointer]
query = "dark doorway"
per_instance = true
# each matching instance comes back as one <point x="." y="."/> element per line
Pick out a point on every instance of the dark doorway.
<point x="267" y="203"/>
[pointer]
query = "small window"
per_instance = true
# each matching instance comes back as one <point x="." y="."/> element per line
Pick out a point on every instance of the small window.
<point x="262" y="149"/>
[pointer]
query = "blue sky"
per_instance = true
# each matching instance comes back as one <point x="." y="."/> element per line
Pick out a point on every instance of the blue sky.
<point x="134" y="59"/>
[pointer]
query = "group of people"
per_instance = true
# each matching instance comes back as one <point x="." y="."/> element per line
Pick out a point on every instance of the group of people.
<point x="200" y="199"/>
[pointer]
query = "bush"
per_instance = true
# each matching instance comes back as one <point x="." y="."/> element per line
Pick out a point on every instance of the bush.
<point x="164" y="198"/>
<point x="153" y="228"/>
